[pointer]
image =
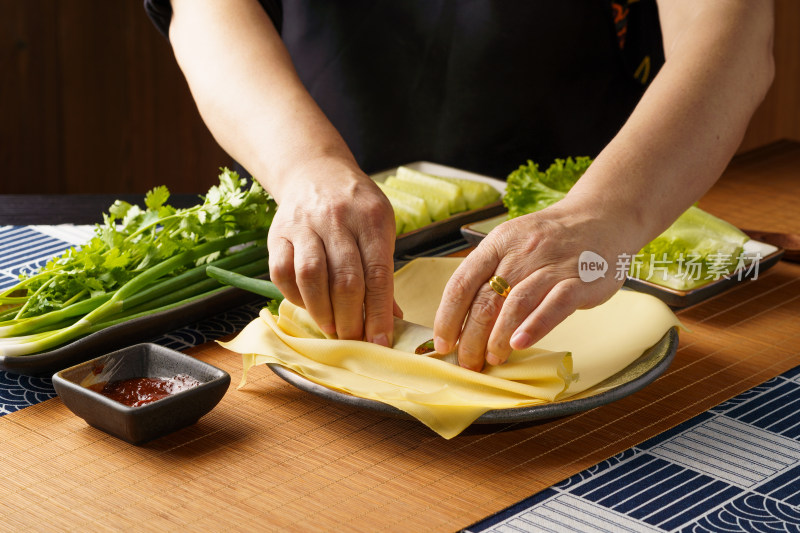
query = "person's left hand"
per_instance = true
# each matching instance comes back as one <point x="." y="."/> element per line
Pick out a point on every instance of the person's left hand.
<point x="537" y="254"/>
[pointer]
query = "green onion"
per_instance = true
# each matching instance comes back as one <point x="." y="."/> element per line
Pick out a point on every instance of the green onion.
<point x="259" y="286"/>
<point x="141" y="261"/>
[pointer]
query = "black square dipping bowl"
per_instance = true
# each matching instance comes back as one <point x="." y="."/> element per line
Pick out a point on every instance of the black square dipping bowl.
<point x="149" y="421"/>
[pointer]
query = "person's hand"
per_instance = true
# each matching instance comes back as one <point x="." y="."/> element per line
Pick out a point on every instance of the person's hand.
<point x="537" y="255"/>
<point x="330" y="250"/>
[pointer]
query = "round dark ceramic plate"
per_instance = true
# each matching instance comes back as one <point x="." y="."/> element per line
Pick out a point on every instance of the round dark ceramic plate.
<point x="652" y="363"/>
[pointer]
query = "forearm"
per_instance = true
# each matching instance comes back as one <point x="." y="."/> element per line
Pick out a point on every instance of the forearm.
<point x="248" y="92"/>
<point x="691" y="119"/>
<point x="327" y="252"/>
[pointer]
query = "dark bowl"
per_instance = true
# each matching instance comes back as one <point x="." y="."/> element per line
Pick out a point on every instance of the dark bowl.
<point x="141" y="424"/>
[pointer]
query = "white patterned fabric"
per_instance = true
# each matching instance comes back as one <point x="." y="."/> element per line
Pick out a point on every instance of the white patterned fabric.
<point x="733" y="468"/>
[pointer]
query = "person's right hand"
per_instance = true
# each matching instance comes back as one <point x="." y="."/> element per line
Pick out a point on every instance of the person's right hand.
<point x="332" y="238"/>
<point x="330" y="250"/>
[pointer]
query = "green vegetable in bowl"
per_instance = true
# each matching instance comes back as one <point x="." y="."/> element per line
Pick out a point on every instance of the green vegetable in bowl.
<point x="140" y="262"/>
<point x="435" y="187"/>
<point x="419" y="198"/>
<point x="410" y="211"/>
<point x="436" y="206"/>
<point x="477" y="194"/>
<point x="696" y="248"/>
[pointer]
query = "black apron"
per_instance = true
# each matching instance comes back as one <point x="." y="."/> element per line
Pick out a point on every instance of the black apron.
<point x="481" y="85"/>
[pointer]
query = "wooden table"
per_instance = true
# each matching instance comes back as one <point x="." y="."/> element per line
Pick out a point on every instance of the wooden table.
<point x="271" y="457"/>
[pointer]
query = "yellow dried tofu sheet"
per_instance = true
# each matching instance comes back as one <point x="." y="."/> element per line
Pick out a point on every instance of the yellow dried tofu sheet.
<point x="587" y="348"/>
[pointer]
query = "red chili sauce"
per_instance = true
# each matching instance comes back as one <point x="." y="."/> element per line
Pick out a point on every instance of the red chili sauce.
<point x="139" y="391"/>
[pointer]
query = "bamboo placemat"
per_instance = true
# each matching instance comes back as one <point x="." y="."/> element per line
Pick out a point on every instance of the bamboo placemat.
<point x="271" y="457"/>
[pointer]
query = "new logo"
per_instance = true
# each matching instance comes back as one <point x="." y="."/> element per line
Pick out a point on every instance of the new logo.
<point x="591" y="266"/>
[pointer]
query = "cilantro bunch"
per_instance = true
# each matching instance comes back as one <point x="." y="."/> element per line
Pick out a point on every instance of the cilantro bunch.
<point x="140" y="261"/>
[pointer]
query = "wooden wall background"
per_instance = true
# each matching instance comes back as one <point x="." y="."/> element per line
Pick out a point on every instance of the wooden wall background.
<point x="779" y="114"/>
<point x="91" y="101"/>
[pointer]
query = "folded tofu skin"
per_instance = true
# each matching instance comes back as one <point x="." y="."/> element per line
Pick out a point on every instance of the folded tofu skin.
<point x="582" y="351"/>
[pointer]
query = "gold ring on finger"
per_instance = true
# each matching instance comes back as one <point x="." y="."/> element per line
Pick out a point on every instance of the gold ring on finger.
<point x="500" y="286"/>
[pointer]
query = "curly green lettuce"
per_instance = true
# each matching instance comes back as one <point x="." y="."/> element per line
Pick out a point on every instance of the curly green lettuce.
<point x="528" y="189"/>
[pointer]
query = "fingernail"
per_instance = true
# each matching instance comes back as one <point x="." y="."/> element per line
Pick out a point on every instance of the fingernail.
<point x="493" y="360"/>
<point x="440" y="345"/>
<point x="329" y="330"/>
<point x="521" y="340"/>
<point x="474" y="368"/>
<point x="381" y="339"/>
